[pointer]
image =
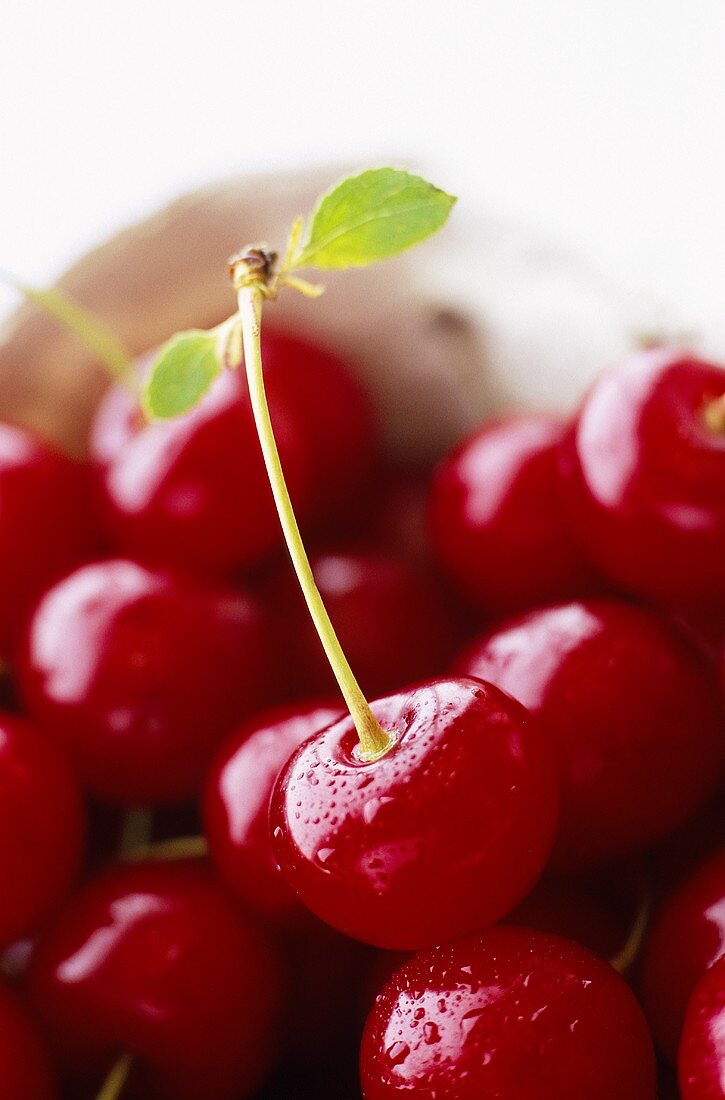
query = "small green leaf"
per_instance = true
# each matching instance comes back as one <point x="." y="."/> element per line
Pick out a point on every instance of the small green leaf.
<point x="371" y="217"/>
<point x="182" y="372"/>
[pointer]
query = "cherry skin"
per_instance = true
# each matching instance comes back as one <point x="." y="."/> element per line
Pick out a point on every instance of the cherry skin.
<point x="155" y="960"/>
<point x="686" y="937"/>
<point x="443" y="834"/>
<point x="25" y="1070"/>
<point x="643" y="475"/>
<point x="632" y="717"/>
<point x="496" y="522"/>
<point x="140" y="674"/>
<point x="193" y="491"/>
<point x="44" y="524"/>
<point x="701" y="1062"/>
<point x="509" y="1013"/>
<point x="42" y="827"/>
<point x="237" y="797"/>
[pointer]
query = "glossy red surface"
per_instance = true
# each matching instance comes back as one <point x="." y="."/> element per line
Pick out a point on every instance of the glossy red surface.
<point x="44" y="524"/>
<point x="509" y="1014"/>
<point x="495" y="519"/>
<point x="444" y="834"/>
<point x="194" y="492"/>
<point x="685" y="938"/>
<point x="25" y="1070"/>
<point x="632" y="716"/>
<point x="155" y="960"/>
<point x="701" y="1061"/>
<point x="237" y="795"/>
<point x="42" y="828"/>
<point x="643" y="477"/>
<point x="140" y="674"/>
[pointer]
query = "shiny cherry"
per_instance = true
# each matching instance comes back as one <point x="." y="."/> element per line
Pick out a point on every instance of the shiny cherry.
<point x="155" y="960"/>
<point x="632" y="717"/>
<point x="140" y="674"/>
<point x="25" y="1069"/>
<point x="44" y="524"/>
<point x="686" y="937"/>
<point x="509" y="1013"/>
<point x="443" y="834"/>
<point x="643" y="471"/>
<point x="496" y="522"/>
<point x="193" y="491"/>
<point x="237" y="796"/>
<point x="701" y="1060"/>
<point x="42" y="827"/>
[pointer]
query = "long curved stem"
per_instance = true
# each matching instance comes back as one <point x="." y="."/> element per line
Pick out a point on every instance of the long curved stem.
<point x="374" y="741"/>
<point x="112" y="1087"/>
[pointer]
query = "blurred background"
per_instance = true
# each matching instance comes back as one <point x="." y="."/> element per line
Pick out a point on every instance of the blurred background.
<point x="599" y="125"/>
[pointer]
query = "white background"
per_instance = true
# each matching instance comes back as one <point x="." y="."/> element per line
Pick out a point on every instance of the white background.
<point x="600" y="124"/>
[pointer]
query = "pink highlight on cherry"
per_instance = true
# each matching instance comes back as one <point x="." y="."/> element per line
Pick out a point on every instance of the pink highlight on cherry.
<point x="701" y="1060"/>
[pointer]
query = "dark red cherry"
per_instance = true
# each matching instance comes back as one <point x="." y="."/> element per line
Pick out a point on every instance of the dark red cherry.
<point x="643" y="474"/>
<point x="632" y="717"/>
<point x="42" y="828"/>
<point x="495" y="518"/>
<point x="140" y="674"/>
<point x="509" y="1013"/>
<point x="155" y="960"/>
<point x="237" y="796"/>
<point x="25" y="1069"/>
<point x="443" y="834"/>
<point x="701" y="1061"/>
<point x="193" y="491"/>
<point x="44" y="523"/>
<point x="686" y="937"/>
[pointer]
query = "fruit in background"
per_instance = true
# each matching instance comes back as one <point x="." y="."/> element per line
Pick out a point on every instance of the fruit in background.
<point x="632" y="717"/>
<point x="193" y="491"/>
<point x="496" y="522"/>
<point x="643" y="475"/>
<point x="701" y="1060"/>
<point x="25" y="1069"/>
<point x="442" y="834"/>
<point x="140" y="673"/>
<point x="155" y="960"/>
<point x="567" y="909"/>
<point x="508" y="1013"/>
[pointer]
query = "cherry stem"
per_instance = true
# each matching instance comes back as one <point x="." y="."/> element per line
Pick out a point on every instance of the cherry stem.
<point x="374" y="741"/>
<point x="715" y="414"/>
<point x="136" y="831"/>
<point x="626" y="957"/>
<point x="178" y="847"/>
<point x="112" y="1087"/>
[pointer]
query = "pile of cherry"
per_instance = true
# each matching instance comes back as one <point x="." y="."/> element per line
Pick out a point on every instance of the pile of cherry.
<point x="201" y="876"/>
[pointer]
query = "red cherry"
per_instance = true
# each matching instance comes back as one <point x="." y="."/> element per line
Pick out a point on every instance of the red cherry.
<point x="236" y="802"/>
<point x="509" y="1013"/>
<point x="44" y="523"/>
<point x="443" y="834"/>
<point x="686" y="937"/>
<point x="25" y="1071"/>
<point x="139" y="674"/>
<point x="632" y="717"/>
<point x="193" y="491"/>
<point x="701" y="1061"/>
<point x="155" y="960"/>
<point x="495" y="518"/>
<point x="643" y="475"/>
<point x="42" y="828"/>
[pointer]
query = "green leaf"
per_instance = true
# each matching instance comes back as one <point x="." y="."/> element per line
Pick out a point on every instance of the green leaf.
<point x="371" y="217"/>
<point x="182" y="372"/>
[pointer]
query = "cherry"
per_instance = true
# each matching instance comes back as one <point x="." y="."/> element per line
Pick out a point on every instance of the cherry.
<point x="153" y="959"/>
<point x="42" y="828"/>
<point x="643" y="471"/>
<point x="701" y="1061"/>
<point x="495" y="518"/>
<point x="44" y="523"/>
<point x="686" y="937"/>
<point x="236" y="803"/>
<point x="508" y="1013"/>
<point x="25" y="1070"/>
<point x="140" y="674"/>
<point x="443" y="833"/>
<point x="194" y="492"/>
<point x="632" y="717"/>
